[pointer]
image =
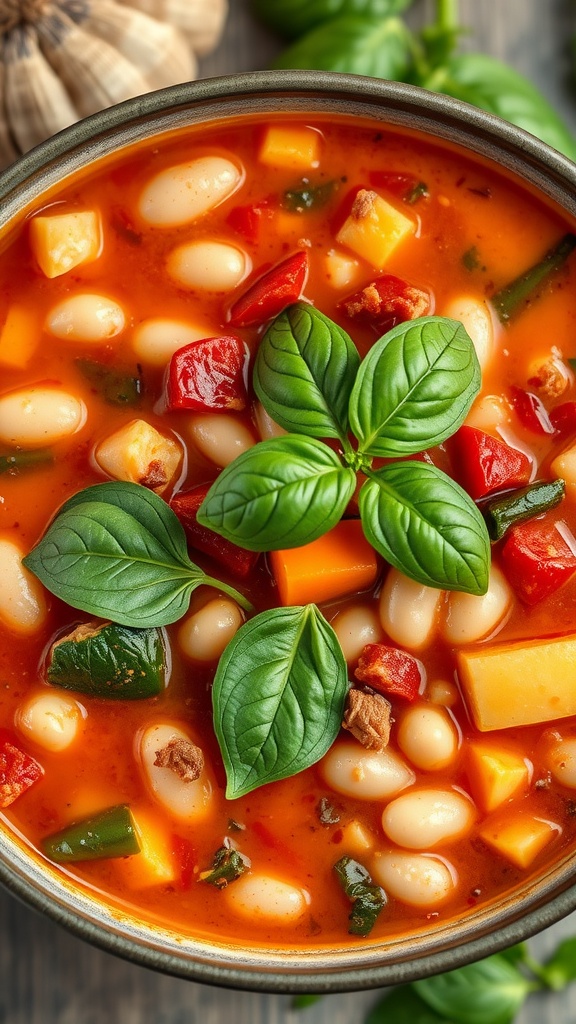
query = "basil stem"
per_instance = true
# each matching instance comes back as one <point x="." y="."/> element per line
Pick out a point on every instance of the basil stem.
<point x="112" y="833"/>
<point x="514" y="296"/>
<point x="367" y="899"/>
<point x="502" y="513"/>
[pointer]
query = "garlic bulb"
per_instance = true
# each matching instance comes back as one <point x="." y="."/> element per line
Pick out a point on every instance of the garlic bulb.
<point x="64" y="59"/>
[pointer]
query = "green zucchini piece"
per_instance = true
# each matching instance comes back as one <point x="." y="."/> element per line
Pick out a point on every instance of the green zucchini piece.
<point x="112" y="833"/>
<point x="15" y="462"/>
<point x="108" y="660"/>
<point x="514" y="296"/>
<point x="502" y="513"/>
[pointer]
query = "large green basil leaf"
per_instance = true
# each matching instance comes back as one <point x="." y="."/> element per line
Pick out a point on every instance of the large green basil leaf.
<point x="414" y="388"/>
<point x="426" y="525"/>
<point x="490" y="990"/>
<point x="304" y="372"/>
<point x="280" y="494"/>
<point x="293" y="18"/>
<point x="379" y="47"/>
<point x="403" y="1006"/>
<point x="487" y="83"/>
<point x="278" y="697"/>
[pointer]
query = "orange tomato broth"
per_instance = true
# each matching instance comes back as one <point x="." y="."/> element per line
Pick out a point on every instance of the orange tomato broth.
<point x="469" y="205"/>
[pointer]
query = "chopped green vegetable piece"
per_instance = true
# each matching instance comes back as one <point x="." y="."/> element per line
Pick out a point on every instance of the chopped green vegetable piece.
<point x="115" y="387"/>
<point x="107" y="660"/>
<point x="471" y="258"/>
<point x="227" y="866"/>
<point x="517" y="294"/>
<point x="112" y="833"/>
<point x="307" y="196"/>
<point x="14" y="462"/>
<point x="367" y="899"/>
<point x="418" y="192"/>
<point x="502" y="513"/>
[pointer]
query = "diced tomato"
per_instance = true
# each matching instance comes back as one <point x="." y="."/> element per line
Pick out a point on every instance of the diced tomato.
<point x="537" y="560"/>
<point x="563" y="418"/>
<point x="385" y="302"/>
<point x="270" y="294"/>
<point x="531" y="411"/>
<point x="397" y="183"/>
<point x="18" y="771"/>
<point x="486" y="464"/>
<point x="186" y="860"/>
<point x="237" y="560"/>
<point x="208" y="375"/>
<point x="389" y="671"/>
<point x="247" y="220"/>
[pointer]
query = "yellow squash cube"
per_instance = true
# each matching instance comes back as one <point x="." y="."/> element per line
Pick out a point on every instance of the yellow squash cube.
<point x="374" y="228"/>
<point x="155" y="864"/>
<point x="141" y="454"/>
<point x="62" y="241"/>
<point x="519" y="838"/>
<point x="19" y="337"/>
<point x="495" y="774"/>
<point x="564" y="466"/>
<point x="295" y="148"/>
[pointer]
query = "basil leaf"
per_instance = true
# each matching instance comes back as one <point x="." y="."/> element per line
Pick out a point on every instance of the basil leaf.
<point x="423" y="523"/>
<point x="227" y="866"/>
<point x="281" y="493"/>
<point x="414" y="388"/>
<point x="304" y="371"/>
<point x="368" y="900"/>
<point x="487" y="83"/>
<point x="491" y="990"/>
<point x="295" y="17"/>
<point x="560" y="969"/>
<point x="379" y="47"/>
<point x="404" y="1006"/>
<point x="278" y="697"/>
<point x="302" y="1002"/>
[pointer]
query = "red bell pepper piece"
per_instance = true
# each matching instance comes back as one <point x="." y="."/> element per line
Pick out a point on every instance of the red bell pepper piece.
<point x="563" y="418"/>
<point x="247" y="220"/>
<point x="209" y="374"/>
<point x="18" y="771"/>
<point x="385" y="302"/>
<point x="537" y="560"/>
<point x="390" y="671"/>
<point x="270" y="294"/>
<point x="398" y="184"/>
<point x="237" y="560"/>
<point x="531" y="411"/>
<point x="486" y="464"/>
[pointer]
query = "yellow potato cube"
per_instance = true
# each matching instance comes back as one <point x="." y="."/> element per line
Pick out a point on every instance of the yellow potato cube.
<point x="521" y="838"/>
<point x="374" y="228"/>
<point x="356" y="838"/>
<point x="495" y="774"/>
<point x="295" y="148"/>
<point x="19" y="337"/>
<point x="564" y="466"/>
<point x="139" y="453"/>
<point x="155" y="864"/>
<point x="62" y="241"/>
<point x="519" y="683"/>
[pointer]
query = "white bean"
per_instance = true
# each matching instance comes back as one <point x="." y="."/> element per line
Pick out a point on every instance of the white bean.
<point x="51" y="720"/>
<point x="562" y="762"/>
<point x="364" y="774"/>
<point x="212" y="266"/>
<point x="265" y="899"/>
<point x="39" y="416"/>
<point x="220" y="437"/>
<point x="442" y="691"/>
<point x="267" y="427"/>
<point x="184" y="192"/>
<point x="470" y="618"/>
<point x="188" y="800"/>
<point x="355" y="627"/>
<point x="156" y="340"/>
<point x="22" y="601"/>
<point x="86" y="317"/>
<point x="427" y="736"/>
<point x="414" y="878"/>
<point x="424" y="818"/>
<point x="204" y="635"/>
<point x="408" y="610"/>
<point x="474" y="314"/>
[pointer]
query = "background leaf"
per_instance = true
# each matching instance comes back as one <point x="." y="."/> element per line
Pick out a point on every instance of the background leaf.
<point x="491" y="990"/>
<point x="560" y="969"/>
<point x="422" y="522"/>
<point x="295" y="17"/>
<point x="404" y="1006"/>
<point x="278" y="696"/>
<point x="353" y="44"/>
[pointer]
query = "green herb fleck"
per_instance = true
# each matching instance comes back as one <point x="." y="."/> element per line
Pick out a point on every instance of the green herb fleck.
<point x="367" y="899"/>
<point x="471" y="258"/>
<point x="419" y="191"/>
<point x="227" y="866"/>
<point x="306" y="196"/>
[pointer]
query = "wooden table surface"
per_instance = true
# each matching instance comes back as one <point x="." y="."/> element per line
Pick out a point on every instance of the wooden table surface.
<point x="50" y="977"/>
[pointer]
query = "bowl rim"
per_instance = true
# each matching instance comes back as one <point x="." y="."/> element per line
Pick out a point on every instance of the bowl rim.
<point x="24" y="873"/>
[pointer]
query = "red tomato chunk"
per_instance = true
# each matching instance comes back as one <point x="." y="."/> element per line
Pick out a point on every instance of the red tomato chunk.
<point x="389" y="671"/>
<point x="271" y="293"/>
<point x="537" y="560"/>
<point x="208" y="375"/>
<point x="18" y="771"/>
<point x="486" y="464"/>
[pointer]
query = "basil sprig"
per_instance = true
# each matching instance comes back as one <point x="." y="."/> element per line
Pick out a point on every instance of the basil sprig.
<point x="412" y="391"/>
<point x="118" y="551"/>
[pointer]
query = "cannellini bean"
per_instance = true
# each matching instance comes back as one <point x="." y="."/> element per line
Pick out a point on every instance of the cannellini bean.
<point x="213" y="266"/>
<point x="562" y="762"/>
<point x="408" y="610"/>
<point x="265" y="899"/>
<point x="470" y="618"/>
<point x="442" y="691"/>
<point x="365" y="774"/>
<point x="180" y="194"/>
<point x="427" y="736"/>
<point x="476" y="317"/>
<point x="220" y="437"/>
<point x="22" y="601"/>
<point x="489" y="413"/>
<point x="267" y="427"/>
<point x="86" y="317"/>
<point x="424" y="818"/>
<point x="188" y="800"/>
<point x="414" y="878"/>
<point x="204" y="635"/>
<point x="39" y="416"/>
<point x="156" y="340"/>
<point x="51" y="720"/>
<point x="355" y="627"/>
